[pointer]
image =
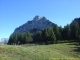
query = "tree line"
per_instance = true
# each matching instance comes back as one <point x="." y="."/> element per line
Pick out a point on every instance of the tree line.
<point x="70" y="32"/>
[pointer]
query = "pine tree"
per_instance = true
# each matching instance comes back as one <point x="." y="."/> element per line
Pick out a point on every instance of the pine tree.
<point x="74" y="30"/>
<point x="56" y="32"/>
<point x="11" y="39"/>
<point x="22" y="38"/>
<point x="16" y="38"/>
<point x="67" y="32"/>
<point x="29" y="38"/>
<point x="60" y="33"/>
<point x="38" y="36"/>
<point x="49" y="36"/>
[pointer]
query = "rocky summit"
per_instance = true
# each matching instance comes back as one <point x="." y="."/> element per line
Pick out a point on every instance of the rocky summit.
<point x="38" y="23"/>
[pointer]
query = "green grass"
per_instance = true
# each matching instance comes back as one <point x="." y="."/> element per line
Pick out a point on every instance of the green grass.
<point x="63" y="51"/>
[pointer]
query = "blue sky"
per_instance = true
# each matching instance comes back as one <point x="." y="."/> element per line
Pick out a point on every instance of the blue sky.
<point x="14" y="13"/>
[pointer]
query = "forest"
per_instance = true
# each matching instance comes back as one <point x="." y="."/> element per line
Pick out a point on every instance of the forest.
<point x="70" y="32"/>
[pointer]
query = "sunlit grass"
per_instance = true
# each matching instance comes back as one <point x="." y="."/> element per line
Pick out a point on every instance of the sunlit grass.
<point x="63" y="51"/>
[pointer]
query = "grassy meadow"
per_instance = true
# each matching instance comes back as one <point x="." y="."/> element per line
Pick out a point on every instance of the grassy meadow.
<point x="61" y="51"/>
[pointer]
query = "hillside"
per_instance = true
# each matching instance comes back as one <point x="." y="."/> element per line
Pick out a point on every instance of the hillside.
<point x="40" y="52"/>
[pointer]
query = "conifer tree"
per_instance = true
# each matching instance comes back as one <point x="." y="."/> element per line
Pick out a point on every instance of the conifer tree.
<point x="66" y="32"/>
<point x="74" y="30"/>
<point x="56" y="32"/>
<point x="11" y="39"/>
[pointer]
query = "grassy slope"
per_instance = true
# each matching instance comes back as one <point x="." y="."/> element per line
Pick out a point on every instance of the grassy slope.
<point x="39" y="52"/>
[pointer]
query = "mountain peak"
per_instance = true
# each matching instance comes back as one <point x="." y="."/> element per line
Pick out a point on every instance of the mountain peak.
<point x="37" y="17"/>
<point x="38" y="23"/>
<point x="43" y="18"/>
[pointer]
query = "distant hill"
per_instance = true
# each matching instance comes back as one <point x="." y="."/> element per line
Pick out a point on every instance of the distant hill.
<point x="4" y="41"/>
<point x="38" y="23"/>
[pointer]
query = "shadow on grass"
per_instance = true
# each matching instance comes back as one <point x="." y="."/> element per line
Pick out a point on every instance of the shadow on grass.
<point x="77" y="49"/>
<point x="65" y="41"/>
<point x="72" y="44"/>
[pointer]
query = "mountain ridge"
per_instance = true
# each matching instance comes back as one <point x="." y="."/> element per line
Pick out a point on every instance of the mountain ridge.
<point x="38" y="23"/>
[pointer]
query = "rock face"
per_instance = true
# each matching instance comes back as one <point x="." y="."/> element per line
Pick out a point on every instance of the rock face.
<point x="38" y="23"/>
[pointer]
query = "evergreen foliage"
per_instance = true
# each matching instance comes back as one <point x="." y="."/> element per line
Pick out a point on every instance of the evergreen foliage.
<point x="66" y="32"/>
<point x="74" y="30"/>
<point x="49" y="35"/>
